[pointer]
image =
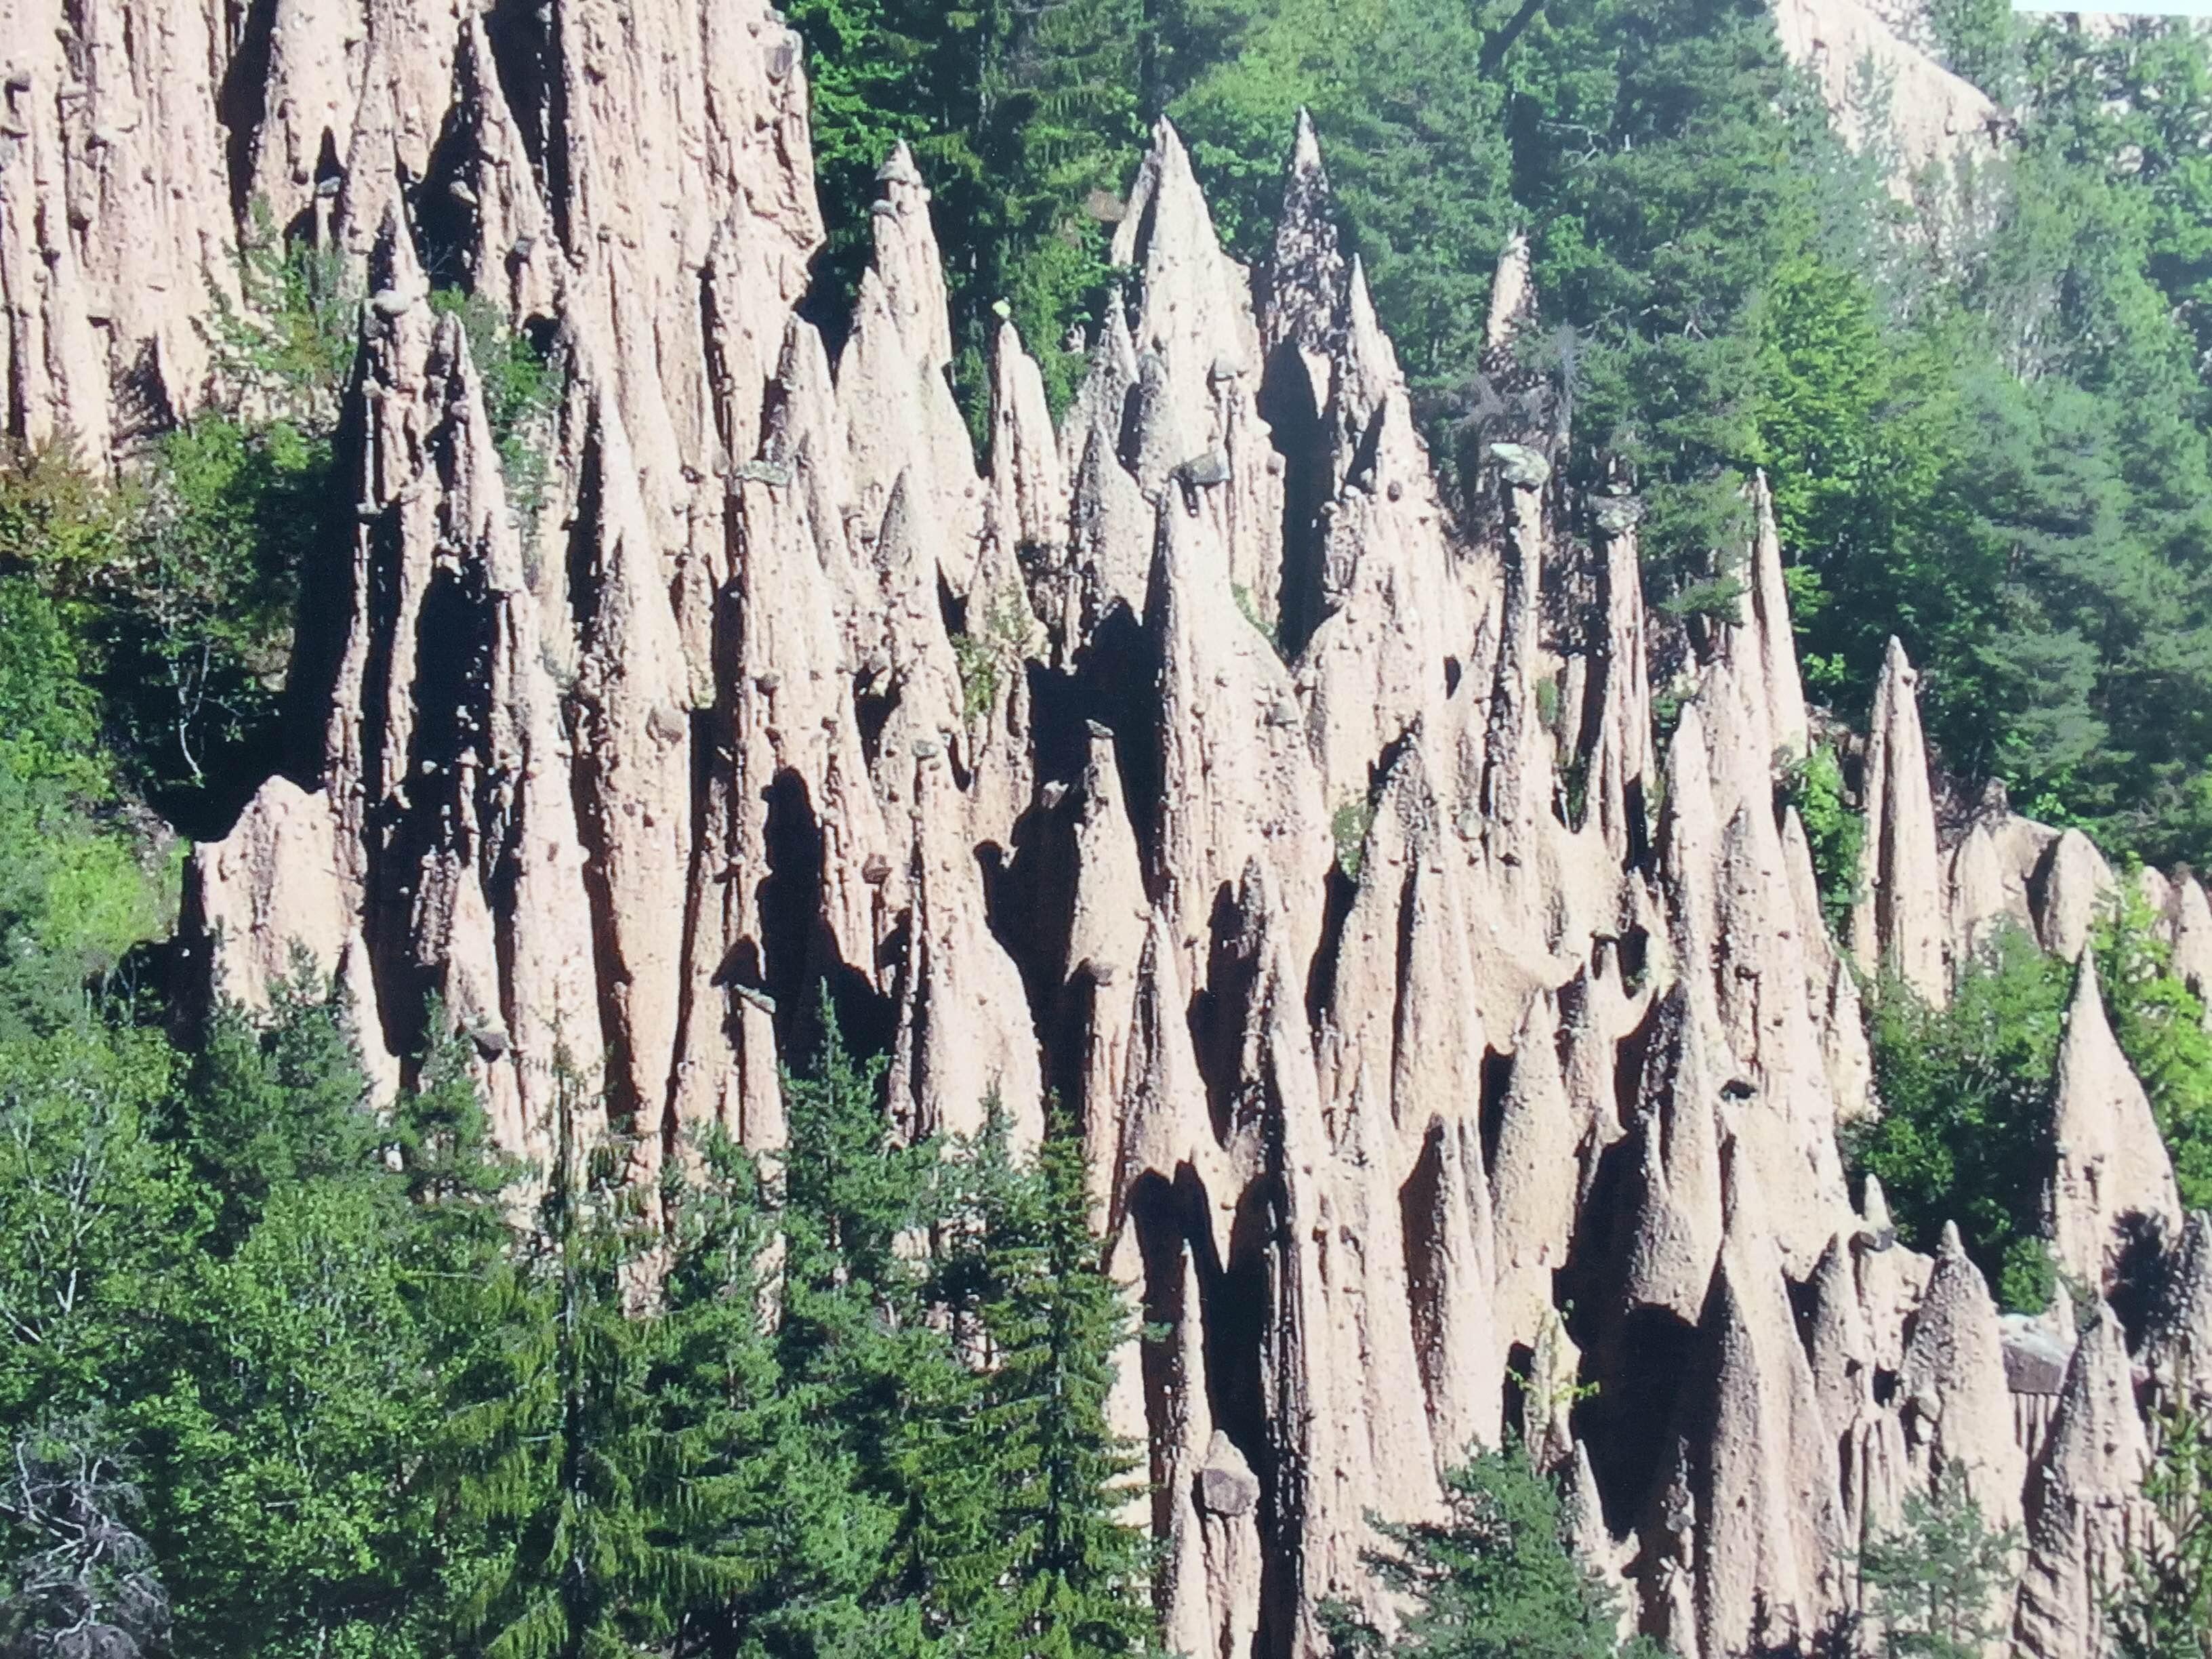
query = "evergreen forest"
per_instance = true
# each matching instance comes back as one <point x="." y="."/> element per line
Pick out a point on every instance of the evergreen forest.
<point x="282" y="1376"/>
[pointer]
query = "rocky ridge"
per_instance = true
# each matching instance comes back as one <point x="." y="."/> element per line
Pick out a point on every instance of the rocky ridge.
<point x="1443" y="1044"/>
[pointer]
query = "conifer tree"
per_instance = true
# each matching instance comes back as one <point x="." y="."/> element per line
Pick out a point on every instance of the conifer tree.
<point x="777" y="1500"/>
<point x="272" y="1101"/>
<point x="1017" y="111"/>
<point x="1496" y="1579"/>
<point x="840" y="1478"/>
<point x="447" y="1160"/>
<point x="2163" y="1608"/>
<point x="1934" y="1585"/>
<point x="559" y="1456"/>
<point x="1065" y="1575"/>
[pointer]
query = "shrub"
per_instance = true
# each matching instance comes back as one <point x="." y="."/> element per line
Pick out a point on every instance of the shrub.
<point x="1966" y="1090"/>
<point x="282" y="351"/>
<point x="49" y="713"/>
<point x="1250" y="609"/>
<point x="521" y="391"/>
<point x="77" y="890"/>
<point x="2159" y="1023"/>
<point x="979" y="674"/>
<point x="1548" y="703"/>
<point x="57" y="520"/>
<point x="984" y="654"/>
<point x="1815" y="786"/>
<point x="1348" y="827"/>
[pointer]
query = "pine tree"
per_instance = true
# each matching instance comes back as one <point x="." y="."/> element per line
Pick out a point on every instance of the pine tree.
<point x="557" y="1451"/>
<point x="1062" y="1575"/>
<point x="1496" y="1579"/>
<point x="299" y="1371"/>
<point x="1018" y="112"/>
<point x="1934" y="1586"/>
<point x="272" y="1101"/>
<point x="451" y="1170"/>
<point x="779" y="1503"/>
<point x="1058" y="132"/>
<point x="814" y="1463"/>
<point x="2163" y="1608"/>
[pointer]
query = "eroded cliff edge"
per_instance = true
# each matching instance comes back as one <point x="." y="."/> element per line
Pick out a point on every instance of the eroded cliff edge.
<point x="1547" y="1093"/>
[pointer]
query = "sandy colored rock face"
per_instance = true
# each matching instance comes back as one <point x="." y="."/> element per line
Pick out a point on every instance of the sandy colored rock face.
<point x="1898" y="927"/>
<point x="1928" y="114"/>
<point x="1188" y="761"/>
<point x="2112" y="1195"/>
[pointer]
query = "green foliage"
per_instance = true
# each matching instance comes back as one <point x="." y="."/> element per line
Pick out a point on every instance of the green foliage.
<point x="1988" y="440"/>
<point x="877" y="1381"/>
<point x="258" y="1313"/>
<point x="1024" y="119"/>
<point x="1966" y="1111"/>
<point x="2163" y="1606"/>
<point x="1998" y="452"/>
<point x="1413" y="134"/>
<point x="766" y="1504"/>
<point x="1935" y="1587"/>
<point x="979" y="674"/>
<point x="92" y="1211"/>
<point x="76" y="892"/>
<point x="442" y="1145"/>
<point x="2160" y="1026"/>
<point x="1249" y="608"/>
<point x="171" y="600"/>
<point x="562" y="1459"/>
<point x="1814" y="785"/>
<point x="282" y="1418"/>
<point x="191" y="583"/>
<point x="521" y="393"/>
<point x="1667" y="702"/>
<point x="75" y="898"/>
<point x="1713" y="599"/>
<point x="56" y="520"/>
<point x="1548" y="703"/>
<point x="1054" y="1570"/>
<point x="1708" y="169"/>
<point x="1348" y="827"/>
<point x="50" y="735"/>
<point x="201" y="610"/>
<point x="986" y="655"/>
<point x="284" y="348"/>
<point x="1979" y="41"/>
<point x="269" y="1104"/>
<point x="1497" y="1578"/>
<point x="862" y="1484"/>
